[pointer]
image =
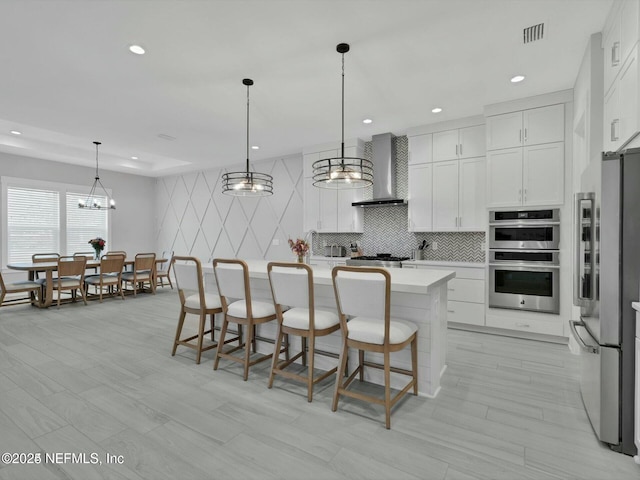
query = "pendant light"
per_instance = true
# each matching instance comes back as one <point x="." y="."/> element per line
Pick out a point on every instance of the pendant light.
<point x="342" y="172"/>
<point x="247" y="183"/>
<point x="93" y="201"/>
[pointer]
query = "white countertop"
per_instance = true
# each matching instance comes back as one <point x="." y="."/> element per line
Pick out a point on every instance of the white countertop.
<point x="436" y="263"/>
<point x="636" y="306"/>
<point x="410" y="280"/>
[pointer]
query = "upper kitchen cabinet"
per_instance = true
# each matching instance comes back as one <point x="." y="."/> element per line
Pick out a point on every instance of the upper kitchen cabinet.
<point x="529" y="127"/>
<point x="459" y="195"/>
<point x="420" y="198"/>
<point x="420" y="149"/>
<point x="529" y="176"/>
<point x="327" y="210"/>
<point x="459" y="143"/>
<point x="619" y="36"/>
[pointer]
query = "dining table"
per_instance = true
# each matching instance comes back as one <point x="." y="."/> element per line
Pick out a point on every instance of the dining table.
<point x="44" y="301"/>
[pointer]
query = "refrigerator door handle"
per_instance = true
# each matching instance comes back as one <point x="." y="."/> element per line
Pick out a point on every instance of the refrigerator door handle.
<point x="576" y="335"/>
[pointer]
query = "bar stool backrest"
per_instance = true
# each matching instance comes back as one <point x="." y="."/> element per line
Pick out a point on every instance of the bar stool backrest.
<point x="362" y="292"/>
<point x="188" y="274"/>
<point x="291" y="284"/>
<point x="232" y="277"/>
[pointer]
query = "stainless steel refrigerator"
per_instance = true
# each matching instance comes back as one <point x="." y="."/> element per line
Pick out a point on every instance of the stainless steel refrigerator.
<point x="606" y="281"/>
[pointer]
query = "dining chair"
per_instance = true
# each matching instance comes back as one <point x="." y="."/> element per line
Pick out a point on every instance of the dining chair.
<point x="232" y="278"/>
<point x="364" y="295"/>
<point x="70" y="276"/>
<point x="163" y="269"/>
<point x="110" y="275"/>
<point x="43" y="258"/>
<point x="195" y="301"/>
<point x="26" y="286"/>
<point x="293" y="298"/>
<point x="144" y="271"/>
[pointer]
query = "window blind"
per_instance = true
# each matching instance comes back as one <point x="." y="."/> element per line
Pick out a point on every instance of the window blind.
<point x="33" y="223"/>
<point x="84" y="224"/>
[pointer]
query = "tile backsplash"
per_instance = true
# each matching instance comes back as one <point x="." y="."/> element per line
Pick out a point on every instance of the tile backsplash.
<point x="385" y="228"/>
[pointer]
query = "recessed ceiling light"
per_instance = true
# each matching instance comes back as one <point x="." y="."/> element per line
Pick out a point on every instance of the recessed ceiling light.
<point x="134" y="158"/>
<point x="517" y="78"/>
<point x="436" y="110"/>
<point x="15" y="132"/>
<point x="255" y="147"/>
<point x="367" y="121"/>
<point x="137" y="49"/>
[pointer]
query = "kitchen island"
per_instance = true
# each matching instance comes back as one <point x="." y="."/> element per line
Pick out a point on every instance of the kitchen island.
<point x="418" y="295"/>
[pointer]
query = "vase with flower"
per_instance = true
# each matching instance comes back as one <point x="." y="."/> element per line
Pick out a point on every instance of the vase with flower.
<point x="300" y="248"/>
<point x="98" y="245"/>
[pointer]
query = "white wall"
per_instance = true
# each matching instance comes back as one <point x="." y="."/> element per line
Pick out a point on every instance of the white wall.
<point x="132" y="223"/>
<point x="195" y="218"/>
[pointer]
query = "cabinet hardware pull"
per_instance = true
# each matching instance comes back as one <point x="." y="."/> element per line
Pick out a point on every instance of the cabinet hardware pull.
<point x="525" y="195"/>
<point x="460" y="149"/>
<point x="615" y="59"/>
<point x="456" y="150"/>
<point x="526" y="325"/>
<point x="451" y="311"/>
<point x="460" y="221"/>
<point x="525" y="135"/>
<point x="520" y="195"/>
<point x="451" y="289"/>
<point x="614" y="124"/>
<point x="520" y="136"/>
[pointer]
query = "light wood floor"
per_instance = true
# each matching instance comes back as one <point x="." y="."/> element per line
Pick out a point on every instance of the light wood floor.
<point x="101" y="379"/>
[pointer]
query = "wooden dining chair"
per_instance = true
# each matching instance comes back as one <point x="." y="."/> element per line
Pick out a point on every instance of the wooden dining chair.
<point x="163" y="270"/>
<point x="194" y="301"/>
<point x="293" y="298"/>
<point x="232" y="278"/>
<point x="364" y="295"/>
<point x="34" y="289"/>
<point x="110" y="275"/>
<point x="144" y="271"/>
<point x="70" y="276"/>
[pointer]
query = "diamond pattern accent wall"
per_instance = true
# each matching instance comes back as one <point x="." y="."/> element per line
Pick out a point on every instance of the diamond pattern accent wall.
<point x="195" y="218"/>
<point x="386" y="228"/>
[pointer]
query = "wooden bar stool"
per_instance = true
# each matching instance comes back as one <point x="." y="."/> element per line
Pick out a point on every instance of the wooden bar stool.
<point x="292" y="286"/>
<point x="194" y="300"/>
<point x="232" y="277"/>
<point x="364" y="294"/>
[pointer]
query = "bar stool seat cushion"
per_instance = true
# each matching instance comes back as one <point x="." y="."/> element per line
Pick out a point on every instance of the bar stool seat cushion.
<point x="211" y="301"/>
<point x="371" y="330"/>
<point x="298" y="317"/>
<point x="258" y="309"/>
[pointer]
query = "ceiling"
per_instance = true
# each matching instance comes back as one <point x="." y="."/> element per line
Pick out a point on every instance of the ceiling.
<point x="68" y="77"/>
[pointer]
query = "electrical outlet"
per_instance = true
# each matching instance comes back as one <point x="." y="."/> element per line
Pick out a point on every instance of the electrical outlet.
<point x="483" y="246"/>
<point x="275" y="242"/>
<point x="434" y="245"/>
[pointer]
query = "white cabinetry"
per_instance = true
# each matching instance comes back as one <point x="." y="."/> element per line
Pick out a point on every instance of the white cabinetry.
<point x="465" y="292"/>
<point x="525" y="158"/>
<point x="459" y="195"/>
<point x="420" y="198"/>
<point x="459" y="143"/>
<point x="526" y="176"/>
<point x="528" y="127"/>
<point x="327" y="210"/>
<point x="421" y="149"/>
<point x="621" y="102"/>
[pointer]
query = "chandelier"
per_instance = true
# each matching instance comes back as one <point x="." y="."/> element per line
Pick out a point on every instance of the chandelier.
<point x="247" y="183"/>
<point x="342" y="172"/>
<point x="93" y="200"/>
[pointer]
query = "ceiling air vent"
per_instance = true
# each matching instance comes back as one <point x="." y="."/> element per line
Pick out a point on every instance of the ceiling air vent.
<point x="534" y="33"/>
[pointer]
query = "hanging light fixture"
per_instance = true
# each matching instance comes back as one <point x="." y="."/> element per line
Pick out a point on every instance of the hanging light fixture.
<point x="247" y="183"/>
<point x="342" y="172"/>
<point x="93" y="201"/>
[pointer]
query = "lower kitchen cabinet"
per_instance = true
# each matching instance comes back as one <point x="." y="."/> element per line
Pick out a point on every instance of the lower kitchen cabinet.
<point x="530" y="322"/>
<point x="465" y="292"/>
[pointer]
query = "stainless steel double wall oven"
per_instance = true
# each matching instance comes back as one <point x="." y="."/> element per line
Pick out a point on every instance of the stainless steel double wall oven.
<point x="524" y="260"/>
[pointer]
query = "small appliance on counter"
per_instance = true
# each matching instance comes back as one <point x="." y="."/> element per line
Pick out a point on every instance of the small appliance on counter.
<point x="335" y="251"/>
<point x="356" y="251"/>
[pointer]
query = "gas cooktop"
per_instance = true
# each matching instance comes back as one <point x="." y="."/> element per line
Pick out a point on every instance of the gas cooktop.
<point x="377" y="261"/>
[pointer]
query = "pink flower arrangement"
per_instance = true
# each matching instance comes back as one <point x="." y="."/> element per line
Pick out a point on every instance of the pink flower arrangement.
<point x="98" y="243"/>
<point x="299" y="247"/>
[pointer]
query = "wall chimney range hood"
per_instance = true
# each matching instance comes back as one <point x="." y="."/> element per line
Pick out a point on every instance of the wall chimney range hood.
<point x="384" y="167"/>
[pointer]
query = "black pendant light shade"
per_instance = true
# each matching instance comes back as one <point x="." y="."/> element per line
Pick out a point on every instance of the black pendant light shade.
<point x="247" y="183"/>
<point x="93" y="200"/>
<point x="342" y="172"/>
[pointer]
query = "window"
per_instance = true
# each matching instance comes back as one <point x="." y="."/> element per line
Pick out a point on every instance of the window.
<point x="83" y="224"/>
<point x="33" y="223"/>
<point x="43" y="217"/>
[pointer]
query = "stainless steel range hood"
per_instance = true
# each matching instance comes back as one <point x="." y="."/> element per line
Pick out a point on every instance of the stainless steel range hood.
<point x="384" y="173"/>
